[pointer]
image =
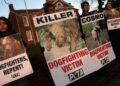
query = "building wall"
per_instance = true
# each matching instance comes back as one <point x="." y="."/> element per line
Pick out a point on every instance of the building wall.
<point x="18" y="25"/>
<point x="16" y="19"/>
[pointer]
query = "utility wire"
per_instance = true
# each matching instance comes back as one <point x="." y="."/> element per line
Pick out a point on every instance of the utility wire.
<point x="6" y="2"/>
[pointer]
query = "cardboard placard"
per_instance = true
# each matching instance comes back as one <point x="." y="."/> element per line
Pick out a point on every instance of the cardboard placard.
<point x="67" y="57"/>
<point x="97" y="40"/>
<point x="113" y="24"/>
<point x="14" y="62"/>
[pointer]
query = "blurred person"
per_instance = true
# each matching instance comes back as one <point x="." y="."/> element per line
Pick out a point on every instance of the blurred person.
<point x="49" y="8"/>
<point x="7" y="30"/>
<point x="11" y="46"/>
<point x="5" y="27"/>
<point x="111" y="12"/>
<point x="85" y="8"/>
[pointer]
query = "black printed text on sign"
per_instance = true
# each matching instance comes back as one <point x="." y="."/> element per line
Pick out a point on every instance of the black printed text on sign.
<point x="113" y="24"/>
<point x="92" y="18"/>
<point x="52" y="18"/>
<point x="76" y="74"/>
<point x="14" y="62"/>
<point x="65" y="50"/>
<point x="105" y="61"/>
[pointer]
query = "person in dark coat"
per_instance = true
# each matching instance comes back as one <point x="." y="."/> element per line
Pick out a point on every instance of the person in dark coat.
<point x="111" y="13"/>
<point x="85" y="11"/>
<point x="5" y="27"/>
<point x="6" y="30"/>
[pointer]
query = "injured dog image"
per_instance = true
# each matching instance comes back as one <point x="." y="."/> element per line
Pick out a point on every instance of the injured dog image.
<point x="10" y="47"/>
<point x="95" y="36"/>
<point x="60" y="38"/>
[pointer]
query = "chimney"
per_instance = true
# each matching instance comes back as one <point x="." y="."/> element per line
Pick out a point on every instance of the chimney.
<point x="11" y="8"/>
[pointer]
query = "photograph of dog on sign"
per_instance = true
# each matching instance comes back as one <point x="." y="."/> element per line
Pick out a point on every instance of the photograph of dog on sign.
<point x="10" y="47"/>
<point x="60" y="38"/>
<point x="95" y="35"/>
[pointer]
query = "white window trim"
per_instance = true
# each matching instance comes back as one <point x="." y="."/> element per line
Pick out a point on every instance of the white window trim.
<point x="29" y="35"/>
<point x="27" y="22"/>
<point x="59" y="5"/>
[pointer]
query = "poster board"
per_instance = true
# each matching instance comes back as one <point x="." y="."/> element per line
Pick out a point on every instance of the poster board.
<point x="97" y="39"/>
<point x="113" y="24"/>
<point x="14" y="62"/>
<point x="67" y="56"/>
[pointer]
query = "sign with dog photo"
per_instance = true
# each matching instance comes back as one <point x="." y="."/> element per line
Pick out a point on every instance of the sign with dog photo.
<point x="97" y="39"/>
<point x="67" y="57"/>
<point x="14" y="62"/>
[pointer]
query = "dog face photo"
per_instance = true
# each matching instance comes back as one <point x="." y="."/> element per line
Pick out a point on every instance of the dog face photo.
<point x="60" y="38"/>
<point x="10" y="47"/>
<point x="95" y="35"/>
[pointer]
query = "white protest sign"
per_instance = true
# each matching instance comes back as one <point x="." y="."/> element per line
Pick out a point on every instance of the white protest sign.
<point x="52" y="18"/>
<point x="92" y="18"/>
<point x="67" y="57"/>
<point x="14" y="62"/>
<point x="103" y="54"/>
<point x="97" y="40"/>
<point x="71" y="67"/>
<point x="113" y="24"/>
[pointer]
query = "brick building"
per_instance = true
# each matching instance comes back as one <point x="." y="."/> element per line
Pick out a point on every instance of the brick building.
<point x="23" y="23"/>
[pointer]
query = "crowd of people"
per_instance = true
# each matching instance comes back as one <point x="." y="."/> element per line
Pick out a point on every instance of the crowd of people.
<point x="110" y="13"/>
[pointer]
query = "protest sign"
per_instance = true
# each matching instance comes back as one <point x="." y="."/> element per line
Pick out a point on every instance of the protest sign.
<point x="67" y="57"/>
<point x="97" y="39"/>
<point x="14" y="62"/>
<point x="113" y="24"/>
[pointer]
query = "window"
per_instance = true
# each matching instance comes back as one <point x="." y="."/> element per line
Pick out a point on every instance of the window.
<point x="25" y="21"/>
<point x="59" y="5"/>
<point x="29" y="35"/>
<point x="37" y="36"/>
